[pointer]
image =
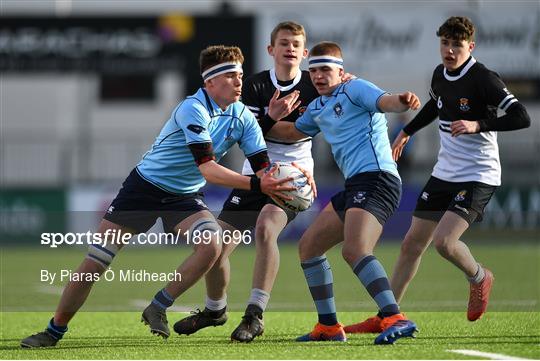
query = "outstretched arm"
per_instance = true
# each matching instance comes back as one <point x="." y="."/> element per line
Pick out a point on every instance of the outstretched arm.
<point x="423" y="118"/>
<point x="398" y="103"/>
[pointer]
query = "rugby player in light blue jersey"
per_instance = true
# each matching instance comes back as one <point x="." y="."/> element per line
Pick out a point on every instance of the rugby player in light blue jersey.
<point x="350" y="117"/>
<point x="167" y="183"/>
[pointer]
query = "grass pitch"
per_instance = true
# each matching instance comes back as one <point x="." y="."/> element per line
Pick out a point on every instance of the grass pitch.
<point x="109" y="326"/>
<point x="120" y="335"/>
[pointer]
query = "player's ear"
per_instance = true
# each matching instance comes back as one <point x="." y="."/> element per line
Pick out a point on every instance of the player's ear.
<point x="270" y="50"/>
<point x="341" y="72"/>
<point x="305" y="53"/>
<point x="472" y="44"/>
<point x="208" y="84"/>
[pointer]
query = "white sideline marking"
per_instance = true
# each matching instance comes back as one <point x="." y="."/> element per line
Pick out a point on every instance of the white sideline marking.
<point x="488" y="355"/>
<point x="295" y="306"/>
<point x="143" y="303"/>
<point x="50" y="290"/>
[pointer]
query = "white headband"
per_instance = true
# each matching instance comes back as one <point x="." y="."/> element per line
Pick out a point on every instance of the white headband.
<point x="221" y="69"/>
<point x="325" y="60"/>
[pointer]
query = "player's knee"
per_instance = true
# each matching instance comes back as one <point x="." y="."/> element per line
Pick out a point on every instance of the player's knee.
<point x="206" y="233"/>
<point x="352" y="254"/>
<point x="265" y="234"/>
<point x="444" y="246"/>
<point x="411" y="248"/>
<point x="102" y="255"/>
<point x="211" y="251"/>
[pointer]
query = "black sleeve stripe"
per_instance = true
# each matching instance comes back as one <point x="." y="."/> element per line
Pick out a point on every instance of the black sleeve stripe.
<point x="259" y="161"/>
<point x="202" y="152"/>
<point x="255" y="153"/>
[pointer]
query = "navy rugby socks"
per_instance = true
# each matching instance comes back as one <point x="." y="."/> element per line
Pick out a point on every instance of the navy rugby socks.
<point x="372" y="275"/>
<point x="162" y="299"/>
<point x="56" y="331"/>
<point x="320" y="281"/>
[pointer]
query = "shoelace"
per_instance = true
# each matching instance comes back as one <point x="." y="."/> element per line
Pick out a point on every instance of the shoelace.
<point x="478" y="294"/>
<point x="248" y="318"/>
<point x="196" y="315"/>
<point x="196" y="312"/>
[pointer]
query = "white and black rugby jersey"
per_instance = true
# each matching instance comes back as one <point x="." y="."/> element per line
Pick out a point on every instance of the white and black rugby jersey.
<point x="472" y="92"/>
<point x="257" y="91"/>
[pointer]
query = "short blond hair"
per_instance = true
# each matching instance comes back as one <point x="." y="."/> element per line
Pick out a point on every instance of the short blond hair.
<point x="294" y="28"/>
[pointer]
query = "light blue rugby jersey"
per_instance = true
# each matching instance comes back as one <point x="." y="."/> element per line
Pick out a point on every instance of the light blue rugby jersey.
<point x="169" y="164"/>
<point x="353" y="125"/>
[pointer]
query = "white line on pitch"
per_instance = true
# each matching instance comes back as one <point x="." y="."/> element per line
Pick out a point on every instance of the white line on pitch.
<point x="143" y="303"/>
<point x="488" y="355"/>
<point x="49" y="289"/>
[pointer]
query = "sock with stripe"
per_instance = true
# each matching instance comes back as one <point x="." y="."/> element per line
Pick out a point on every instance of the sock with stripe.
<point x="320" y="281"/>
<point x="162" y="299"/>
<point x="372" y="275"/>
<point x="56" y="331"/>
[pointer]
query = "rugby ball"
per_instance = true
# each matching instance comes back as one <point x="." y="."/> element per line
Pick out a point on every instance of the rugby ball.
<point x="302" y="195"/>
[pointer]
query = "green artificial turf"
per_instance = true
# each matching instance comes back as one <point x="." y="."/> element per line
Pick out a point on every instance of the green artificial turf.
<point x="109" y="326"/>
<point x="120" y="335"/>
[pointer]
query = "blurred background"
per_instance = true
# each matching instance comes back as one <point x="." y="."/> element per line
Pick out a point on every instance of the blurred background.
<point x="85" y="87"/>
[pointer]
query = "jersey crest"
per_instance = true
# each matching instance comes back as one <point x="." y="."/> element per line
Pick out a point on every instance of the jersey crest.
<point x="460" y="196"/>
<point x="338" y="110"/>
<point x="464" y="104"/>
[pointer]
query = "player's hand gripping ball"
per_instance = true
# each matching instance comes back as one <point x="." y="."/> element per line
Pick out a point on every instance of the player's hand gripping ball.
<point x="302" y="196"/>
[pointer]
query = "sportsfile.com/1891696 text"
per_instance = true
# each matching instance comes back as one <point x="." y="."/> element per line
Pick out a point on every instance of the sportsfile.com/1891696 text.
<point x="54" y="240"/>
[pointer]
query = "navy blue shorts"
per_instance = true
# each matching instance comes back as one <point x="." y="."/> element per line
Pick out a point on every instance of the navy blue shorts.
<point x="139" y="203"/>
<point x="466" y="199"/>
<point x="378" y="193"/>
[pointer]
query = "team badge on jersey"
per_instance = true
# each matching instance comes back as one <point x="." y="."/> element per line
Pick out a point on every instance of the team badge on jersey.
<point x="359" y="197"/>
<point x="460" y="196"/>
<point x="338" y="110"/>
<point x="301" y="110"/>
<point x="464" y="104"/>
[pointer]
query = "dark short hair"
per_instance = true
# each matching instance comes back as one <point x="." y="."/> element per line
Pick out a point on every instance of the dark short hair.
<point x="326" y="48"/>
<point x="291" y="26"/>
<point x="217" y="54"/>
<point x="457" y="28"/>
